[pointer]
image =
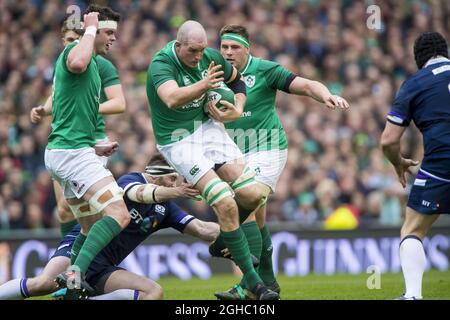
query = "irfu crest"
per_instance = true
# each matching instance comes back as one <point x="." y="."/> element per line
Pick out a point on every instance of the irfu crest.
<point x="250" y="81"/>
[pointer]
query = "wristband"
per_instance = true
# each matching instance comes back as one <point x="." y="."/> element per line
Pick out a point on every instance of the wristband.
<point x="91" y="30"/>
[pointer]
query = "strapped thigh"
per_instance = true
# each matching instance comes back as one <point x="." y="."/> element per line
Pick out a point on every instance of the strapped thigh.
<point x="247" y="178"/>
<point x="105" y="196"/>
<point x="82" y="210"/>
<point x="216" y="190"/>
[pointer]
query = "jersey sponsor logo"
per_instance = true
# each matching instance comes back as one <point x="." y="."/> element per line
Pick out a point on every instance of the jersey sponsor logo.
<point x="197" y="103"/>
<point x="246" y="114"/>
<point x="160" y="209"/>
<point x="147" y="224"/>
<point x="195" y="169"/>
<point x="136" y="216"/>
<point x="144" y="224"/>
<point x="250" y="81"/>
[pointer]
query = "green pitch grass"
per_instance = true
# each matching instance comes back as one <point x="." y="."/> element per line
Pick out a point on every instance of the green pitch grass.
<point x="436" y="285"/>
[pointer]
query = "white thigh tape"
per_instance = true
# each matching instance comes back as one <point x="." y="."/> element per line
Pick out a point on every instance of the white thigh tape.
<point x="105" y="196"/>
<point x="82" y="210"/>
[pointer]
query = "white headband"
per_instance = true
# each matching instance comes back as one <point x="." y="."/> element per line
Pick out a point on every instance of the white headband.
<point x="107" y="24"/>
<point x="160" y="171"/>
<point x="104" y="24"/>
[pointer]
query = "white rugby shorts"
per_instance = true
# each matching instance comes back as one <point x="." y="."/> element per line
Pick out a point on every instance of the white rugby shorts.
<point x="76" y="170"/>
<point x="196" y="154"/>
<point x="268" y="165"/>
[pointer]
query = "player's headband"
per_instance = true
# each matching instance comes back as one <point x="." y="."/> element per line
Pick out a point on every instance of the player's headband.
<point x="236" y="37"/>
<point x="160" y="171"/>
<point x="105" y="24"/>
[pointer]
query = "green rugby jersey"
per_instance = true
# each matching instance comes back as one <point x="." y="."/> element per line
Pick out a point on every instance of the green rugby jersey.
<point x="170" y="125"/>
<point x="75" y="102"/>
<point x="109" y="77"/>
<point x="259" y="128"/>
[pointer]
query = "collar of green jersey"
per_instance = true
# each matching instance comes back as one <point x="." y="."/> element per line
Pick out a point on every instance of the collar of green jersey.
<point x="249" y="61"/>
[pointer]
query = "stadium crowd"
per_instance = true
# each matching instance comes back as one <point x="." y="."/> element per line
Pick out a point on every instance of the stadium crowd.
<point x="334" y="157"/>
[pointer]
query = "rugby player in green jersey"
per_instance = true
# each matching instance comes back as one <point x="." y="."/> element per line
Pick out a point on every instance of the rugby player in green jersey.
<point x="197" y="146"/>
<point x="89" y="188"/>
<point x="260" y="136"/>
<point x="112" y="101"/>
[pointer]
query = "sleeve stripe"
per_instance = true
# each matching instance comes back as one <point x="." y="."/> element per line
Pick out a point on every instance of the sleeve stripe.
<point x="401" y="124"/>
<point x="128" y="186"/>
<point x="186" y="219"/>
<point x="397" y="114"/>
<point x="395" y="119"/>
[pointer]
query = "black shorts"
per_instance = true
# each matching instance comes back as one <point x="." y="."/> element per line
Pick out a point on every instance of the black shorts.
<point x="429" y="195"/>
<point x="98" y="273"/>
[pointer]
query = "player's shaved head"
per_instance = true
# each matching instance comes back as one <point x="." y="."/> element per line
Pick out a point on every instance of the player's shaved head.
<point x="191" y="31"/>
<point x="191" y="42"/>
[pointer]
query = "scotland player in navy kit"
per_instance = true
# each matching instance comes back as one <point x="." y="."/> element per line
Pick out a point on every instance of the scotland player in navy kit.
<point x="146" y="196"/>
<point x="425" y="99"/>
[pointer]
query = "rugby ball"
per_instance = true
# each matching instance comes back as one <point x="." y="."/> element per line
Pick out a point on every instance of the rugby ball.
<point x="218" y="94"/>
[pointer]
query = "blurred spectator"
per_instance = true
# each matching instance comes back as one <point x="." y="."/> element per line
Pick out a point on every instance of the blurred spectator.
<point x="305" y="213"/>
<point x="333" y="156"/>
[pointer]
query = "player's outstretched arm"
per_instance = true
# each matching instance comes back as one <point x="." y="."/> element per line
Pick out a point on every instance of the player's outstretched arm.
<point x="38" y="113"/>
<point x="317" y="91"/>
<point x="151" y="193"/>
<point x="116" y="100"/>
<point x="175" y="96"/>
<point x="79" y="57"/>
<point x="390" y="143"/>
<point x="207" y="231"/>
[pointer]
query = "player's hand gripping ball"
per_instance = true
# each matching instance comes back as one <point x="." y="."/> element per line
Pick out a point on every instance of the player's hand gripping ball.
<point x="218" y="94"/>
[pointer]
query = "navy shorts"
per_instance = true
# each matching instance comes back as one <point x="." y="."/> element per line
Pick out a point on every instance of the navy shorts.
<point x="99" y="271"/>
<point x="65" y="246"/>
<point x="429" y="195"/>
